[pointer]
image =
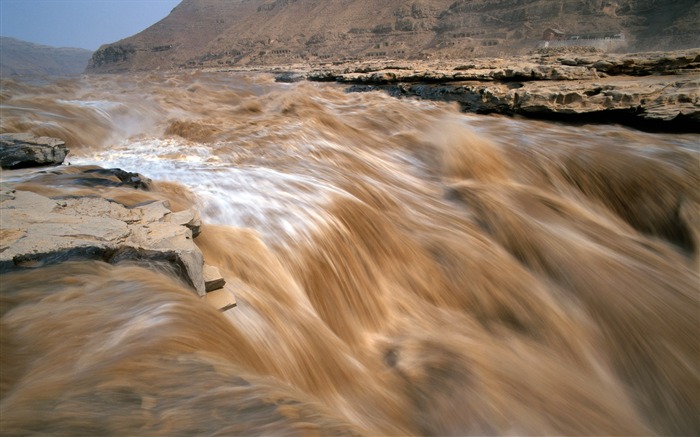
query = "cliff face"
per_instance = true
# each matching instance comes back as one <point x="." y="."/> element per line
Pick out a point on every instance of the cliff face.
<point x="239" y="32"/>
<point x="21" y="58"/>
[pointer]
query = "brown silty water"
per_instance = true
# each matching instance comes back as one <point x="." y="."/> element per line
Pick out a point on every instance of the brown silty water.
<point x="400" y="269"/>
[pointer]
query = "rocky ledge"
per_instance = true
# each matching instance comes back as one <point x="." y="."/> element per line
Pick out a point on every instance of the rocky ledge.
<point x="23" y="150"/>
<point x="652" y="91"/>
<point x="36" y="230"/>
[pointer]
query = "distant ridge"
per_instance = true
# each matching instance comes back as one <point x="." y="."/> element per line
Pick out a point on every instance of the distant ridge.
<point x="279" y="32"/>
<point x="22" y="58"/>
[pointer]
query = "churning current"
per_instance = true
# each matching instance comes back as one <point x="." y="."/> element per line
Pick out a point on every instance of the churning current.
<point x="400" y="268"/>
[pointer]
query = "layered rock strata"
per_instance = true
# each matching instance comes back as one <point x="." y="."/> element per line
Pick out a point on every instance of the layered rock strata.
<point x="653" y="91"/>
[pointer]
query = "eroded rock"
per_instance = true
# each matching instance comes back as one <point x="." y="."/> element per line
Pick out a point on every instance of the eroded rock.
<point x="654" y="91"/>
<point x="36" y="231"/>
<point x="188" y="218"/>
<point x="653" y="102"/>
<point x="21" y="150"/>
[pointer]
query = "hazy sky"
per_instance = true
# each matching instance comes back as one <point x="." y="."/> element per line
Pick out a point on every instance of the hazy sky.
<point x="79" y="23"/>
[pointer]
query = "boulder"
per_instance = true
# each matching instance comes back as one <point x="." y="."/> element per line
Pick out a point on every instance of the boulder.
<point x="21" y="150"/>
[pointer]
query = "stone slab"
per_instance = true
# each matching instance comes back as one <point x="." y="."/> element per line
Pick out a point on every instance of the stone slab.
<point x="221" y="299"/>
<point x="37" y="230"/>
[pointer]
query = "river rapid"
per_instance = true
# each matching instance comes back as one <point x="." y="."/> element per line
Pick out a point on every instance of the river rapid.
<point x="400" y="268"/>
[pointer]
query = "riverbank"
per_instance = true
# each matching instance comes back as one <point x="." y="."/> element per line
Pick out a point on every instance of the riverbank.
<point x="656" y="91"/>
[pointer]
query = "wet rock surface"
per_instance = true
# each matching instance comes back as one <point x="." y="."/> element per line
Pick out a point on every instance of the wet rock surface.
<point x="92" y="177"/>
<point x="22" y="150"/>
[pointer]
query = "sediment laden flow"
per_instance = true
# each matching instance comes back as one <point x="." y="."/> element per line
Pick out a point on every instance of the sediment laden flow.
<point x="400" y="268"/>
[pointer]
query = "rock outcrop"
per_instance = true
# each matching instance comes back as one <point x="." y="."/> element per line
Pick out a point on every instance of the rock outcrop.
<point x="654" y="91"/>
<point x="25" y="150"/>
<point x="548" y="64"/>
<point x="36" y="230"/>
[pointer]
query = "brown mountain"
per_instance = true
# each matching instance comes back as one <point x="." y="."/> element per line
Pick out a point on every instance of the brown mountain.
<point x="244" y="32"/>
<point x="21" y="58"/>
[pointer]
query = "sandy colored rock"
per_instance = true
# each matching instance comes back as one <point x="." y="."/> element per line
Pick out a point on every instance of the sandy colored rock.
<point x="188" y="218"/>
<point x="36" y="230"/>
<point x="212" y="278"/>
<point x="668" y="99"/>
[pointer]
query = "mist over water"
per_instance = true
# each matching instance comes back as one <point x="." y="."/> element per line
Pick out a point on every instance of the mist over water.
<point x="400" y="269"/>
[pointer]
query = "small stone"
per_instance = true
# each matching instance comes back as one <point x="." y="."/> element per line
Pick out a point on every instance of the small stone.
<point x="222" y="299"/>
<point x="212" y="278"/>
<point x="18" y="150"/>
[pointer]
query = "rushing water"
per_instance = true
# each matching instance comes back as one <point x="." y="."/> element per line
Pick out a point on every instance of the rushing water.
<point x="400" y="268"/>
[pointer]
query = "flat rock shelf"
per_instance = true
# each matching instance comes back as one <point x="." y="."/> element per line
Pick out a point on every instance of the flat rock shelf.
<point x="36" y="230"/>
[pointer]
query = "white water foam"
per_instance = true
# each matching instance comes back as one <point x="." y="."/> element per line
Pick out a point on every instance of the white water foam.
<point x="275" y="203"/>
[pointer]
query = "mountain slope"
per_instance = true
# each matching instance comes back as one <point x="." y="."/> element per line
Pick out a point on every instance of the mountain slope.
<point x="235" y="32"/>
<point x="21" y="58"/>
